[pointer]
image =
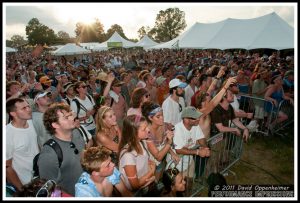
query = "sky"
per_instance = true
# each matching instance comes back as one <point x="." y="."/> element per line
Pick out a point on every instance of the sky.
<point x="130" y="16"/>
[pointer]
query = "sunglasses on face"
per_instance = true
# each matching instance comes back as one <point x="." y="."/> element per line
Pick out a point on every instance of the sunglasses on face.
<point x="72" y="146"/>
<point x="45" y="190"/>
<point x="147" y="95"/>
<point x="84" y="86"/>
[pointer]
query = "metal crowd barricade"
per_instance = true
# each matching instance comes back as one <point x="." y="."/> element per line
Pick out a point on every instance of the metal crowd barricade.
<point x="263" y="112"/>
<point x="226" y="150"/>
<point x="286" y="107"/>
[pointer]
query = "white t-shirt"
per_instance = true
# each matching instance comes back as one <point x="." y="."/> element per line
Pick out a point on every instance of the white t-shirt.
<point x="21" y="147"/>
<point x="132" y="158"/>
<point x="171" y="110"/>
<point x="188" y="93"/>
<point x="89" y="123"/>
<point x="186" y="138"/>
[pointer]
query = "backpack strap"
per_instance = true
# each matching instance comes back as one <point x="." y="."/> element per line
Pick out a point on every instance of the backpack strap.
<point x="83" y="133"/>
<point x="79" y="106"/>
<point x="89" y="97"/>
<point x="55" y="146"/>
<point x="68" y="100"/>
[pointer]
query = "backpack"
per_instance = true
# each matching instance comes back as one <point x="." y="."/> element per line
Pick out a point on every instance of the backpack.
<point x="79" y="105"/>
<point x="55" y="146"/>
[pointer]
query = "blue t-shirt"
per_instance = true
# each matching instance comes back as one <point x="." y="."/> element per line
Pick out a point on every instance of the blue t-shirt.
<point x="85" y="187"/>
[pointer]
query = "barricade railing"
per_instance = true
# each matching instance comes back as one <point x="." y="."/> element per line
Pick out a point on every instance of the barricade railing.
<point x="263" y="112"/>
<point x="288" y="109"/>
<point x="226" y="150"/>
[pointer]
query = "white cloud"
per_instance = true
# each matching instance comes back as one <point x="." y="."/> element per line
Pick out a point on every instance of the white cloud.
<point x="15" y="29"/>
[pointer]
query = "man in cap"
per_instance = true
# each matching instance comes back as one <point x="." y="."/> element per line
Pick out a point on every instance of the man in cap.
<point x="174" y="104"/>
<point x="42" y="101"/>
<point x="46" y="84"/>
<point x="189" y="140"/>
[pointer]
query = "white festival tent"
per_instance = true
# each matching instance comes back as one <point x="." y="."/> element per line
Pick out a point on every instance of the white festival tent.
<point x="114" y="38"/>
<point x="70" y="49"/>
<point x="146" y="42"/>
<point x="89" y="45"/>
<point x="268" y="31"/>
<point x="10" y="50"/>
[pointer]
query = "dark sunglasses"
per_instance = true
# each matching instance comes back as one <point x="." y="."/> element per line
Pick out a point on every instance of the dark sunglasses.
<point x="180" y="107"/>
<point x="84" y="86"/>
<point x="46" y="189"/>
<point x="172" y="173"/>
<point x="147" y="95"/>
<point x="72" y="146"/>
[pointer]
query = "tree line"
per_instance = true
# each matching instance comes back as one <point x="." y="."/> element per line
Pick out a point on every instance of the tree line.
<point x="168" y="25"/>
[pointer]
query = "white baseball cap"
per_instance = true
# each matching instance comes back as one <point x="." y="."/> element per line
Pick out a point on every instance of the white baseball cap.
<point x="177" y="83"/>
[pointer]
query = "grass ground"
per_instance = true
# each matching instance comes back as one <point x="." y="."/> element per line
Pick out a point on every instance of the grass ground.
<point x="265" y="161"/>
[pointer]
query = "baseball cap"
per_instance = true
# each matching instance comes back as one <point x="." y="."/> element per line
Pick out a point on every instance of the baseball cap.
<point x="45" y="80"/>
<point x="40" y="95"/>
<point x="176" y="83"/>
<point x="67" y="86"/>
<point x="191" y="112"/>
<point x="160" y="80"/>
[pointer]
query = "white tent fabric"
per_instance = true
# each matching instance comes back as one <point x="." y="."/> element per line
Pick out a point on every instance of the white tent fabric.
<point x="269" y="31"/>
<point x="146" y="42"/>
<point x="70" y="49"/>
<point x="114" y="38"/>
<point x="89" y="45"/>
<point x="10" y="50"/>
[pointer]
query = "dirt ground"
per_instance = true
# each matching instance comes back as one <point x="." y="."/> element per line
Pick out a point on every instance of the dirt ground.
<point x="265" y="161"/>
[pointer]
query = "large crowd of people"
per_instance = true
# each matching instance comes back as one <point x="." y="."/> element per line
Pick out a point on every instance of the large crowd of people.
<point x="121" y="116"/>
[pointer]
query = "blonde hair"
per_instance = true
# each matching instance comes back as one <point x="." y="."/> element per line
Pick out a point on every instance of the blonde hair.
<point x="100" y="125"/>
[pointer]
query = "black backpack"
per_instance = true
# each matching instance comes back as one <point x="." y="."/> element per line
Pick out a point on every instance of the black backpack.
<point x="55" y="146"/>
<point x="79" y="105"/>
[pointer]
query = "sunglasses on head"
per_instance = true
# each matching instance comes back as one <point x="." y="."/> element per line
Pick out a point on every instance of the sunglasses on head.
<point x="46" y="189"/>
<point x="172" y="173"/>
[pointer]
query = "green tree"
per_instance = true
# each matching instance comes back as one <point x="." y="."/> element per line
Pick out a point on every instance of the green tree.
<point x="17" y="41"/>
<point x="133" y="40"/>
<point x="169" y="24"/>
<point x="115" y="28"/>
<point x="63" y="35"/>
<point x="38" y="33"/>
<point x="99" y="29"/>
<point x="90" y="33"/>
<point x="144" y="31"/>
<point x="9" y="43"/>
